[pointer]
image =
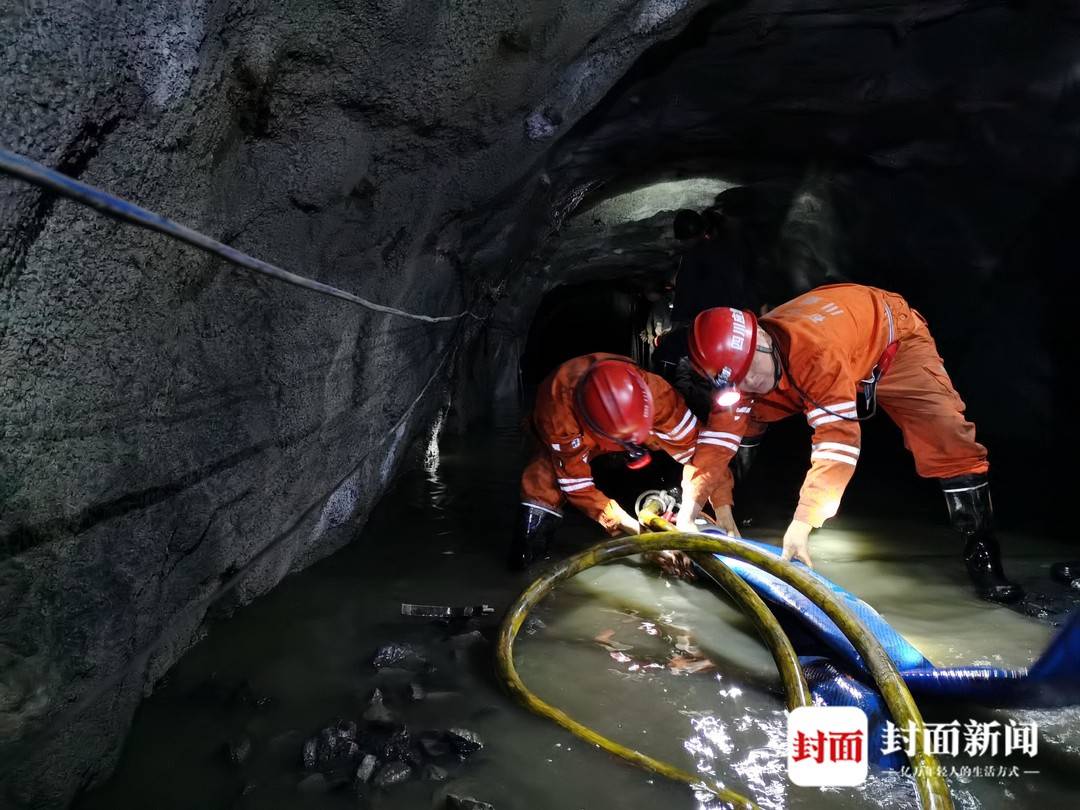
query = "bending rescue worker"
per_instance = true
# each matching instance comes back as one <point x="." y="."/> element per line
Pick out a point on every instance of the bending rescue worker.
<point x="590" y="406"/>
<point x="817" y="355"/>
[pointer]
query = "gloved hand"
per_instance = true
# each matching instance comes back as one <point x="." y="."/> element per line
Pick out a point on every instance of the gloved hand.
<point x="725" y="520"/>
<point x="629" y="525"/>
<point x="797" y="542"/>
<point x="684" y="521"/>
<point x="617" y="521"/>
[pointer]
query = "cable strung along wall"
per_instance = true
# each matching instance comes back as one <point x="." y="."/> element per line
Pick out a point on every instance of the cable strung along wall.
<point x="166" y="418"/>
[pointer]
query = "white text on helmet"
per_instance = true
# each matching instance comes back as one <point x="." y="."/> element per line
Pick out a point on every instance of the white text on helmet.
<point x="738" y="338"/>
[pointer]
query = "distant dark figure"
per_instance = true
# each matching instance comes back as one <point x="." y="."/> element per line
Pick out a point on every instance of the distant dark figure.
<point x="669" y="360"/>
<point x="716" y="268"/>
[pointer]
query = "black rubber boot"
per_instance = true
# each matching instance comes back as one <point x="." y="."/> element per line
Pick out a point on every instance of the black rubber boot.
<point x="534" y="531"/>
<point x="971" y="513"/>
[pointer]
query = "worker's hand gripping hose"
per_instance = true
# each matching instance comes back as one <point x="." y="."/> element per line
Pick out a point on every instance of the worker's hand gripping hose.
<point x="932" y="789"/>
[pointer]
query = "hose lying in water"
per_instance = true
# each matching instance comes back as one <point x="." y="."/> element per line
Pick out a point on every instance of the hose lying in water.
<point x="932" y="790"/>
<point x="787" y="660"/>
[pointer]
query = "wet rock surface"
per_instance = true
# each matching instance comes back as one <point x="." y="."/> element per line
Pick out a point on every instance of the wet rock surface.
<point x="400" y="656"/>
<point x="366" y="769"/>
<point x="464" y="742"/>
<point x="166" y="417"/>
<point x="455" y="802"/>
<point x="378" y="751"/>
<point x="393" y="773"/>
<point x="335" y="748"/>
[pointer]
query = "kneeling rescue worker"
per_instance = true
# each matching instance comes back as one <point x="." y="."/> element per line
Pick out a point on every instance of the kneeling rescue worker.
<point x="816" y="355"/>
<point x="590" y="406"/>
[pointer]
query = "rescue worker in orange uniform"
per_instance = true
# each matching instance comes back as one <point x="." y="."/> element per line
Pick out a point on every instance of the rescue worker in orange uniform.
<point x="817" y="355"/>
<point x="589" y="406"/>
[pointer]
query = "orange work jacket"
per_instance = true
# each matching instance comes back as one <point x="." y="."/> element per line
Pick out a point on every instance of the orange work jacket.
<point x="572" y="446"/>
<point x="829" y="340"/>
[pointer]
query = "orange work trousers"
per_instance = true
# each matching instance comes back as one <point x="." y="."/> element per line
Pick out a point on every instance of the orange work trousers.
<point x="919" y="397"/>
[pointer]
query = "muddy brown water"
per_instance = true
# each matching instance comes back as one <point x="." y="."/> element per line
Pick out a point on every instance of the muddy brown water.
<point x="300" y="657"/>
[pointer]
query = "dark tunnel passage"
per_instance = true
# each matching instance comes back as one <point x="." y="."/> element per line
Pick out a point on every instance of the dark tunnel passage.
<point x="611" y="315"/>
<point x="220" y="495"/>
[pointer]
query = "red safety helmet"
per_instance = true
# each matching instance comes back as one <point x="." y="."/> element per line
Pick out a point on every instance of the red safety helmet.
<point x="614" y="401"/>
<point x="722" y="342"/>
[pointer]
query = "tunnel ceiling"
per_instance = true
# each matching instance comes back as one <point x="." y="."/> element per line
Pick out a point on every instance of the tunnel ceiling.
<point x="930" y="148"/>
<point x="920" y="136"/>
<point x="176" y="433"/>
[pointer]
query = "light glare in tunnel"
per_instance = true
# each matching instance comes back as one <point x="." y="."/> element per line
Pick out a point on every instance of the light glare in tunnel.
<point x="642" y="203"/>
<point x="431" y="454"/>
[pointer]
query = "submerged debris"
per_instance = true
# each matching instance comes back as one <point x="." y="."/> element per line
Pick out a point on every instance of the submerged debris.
<point x="378" y="713"/>
<point x="333" y="749"/>
<point x="346" y="729"/>
<point x="454" y="802"/>
<point x="310" y="753"/>
<point x="238" y="750"/>
<point x="533" y="625"/>
<point x="393" y="773"/>
<point x="367" y="768"/>
<point x="379" y="751"/>
<point x="1048" y="608"/>
<point x="401" y="747"/>
<point x="690" y="664"/>
<point x="445" y="611"/>
<point x="399" y="655"/>
<point x="606" y="639"/>
<point x="464" y="742"/>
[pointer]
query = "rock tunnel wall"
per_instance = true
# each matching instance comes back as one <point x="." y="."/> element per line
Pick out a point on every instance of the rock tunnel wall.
<point x="164" y="417"/>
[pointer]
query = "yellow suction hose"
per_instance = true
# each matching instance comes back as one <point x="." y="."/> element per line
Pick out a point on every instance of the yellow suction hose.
<point x="787" y="661"/>
<point x="932" y="789"/>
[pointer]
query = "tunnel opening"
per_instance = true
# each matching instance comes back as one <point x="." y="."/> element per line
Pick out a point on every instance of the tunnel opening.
<point x="597" y="316"/>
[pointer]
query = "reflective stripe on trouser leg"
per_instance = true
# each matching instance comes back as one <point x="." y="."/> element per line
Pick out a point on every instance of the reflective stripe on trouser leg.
<point x="540" y="486"/>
